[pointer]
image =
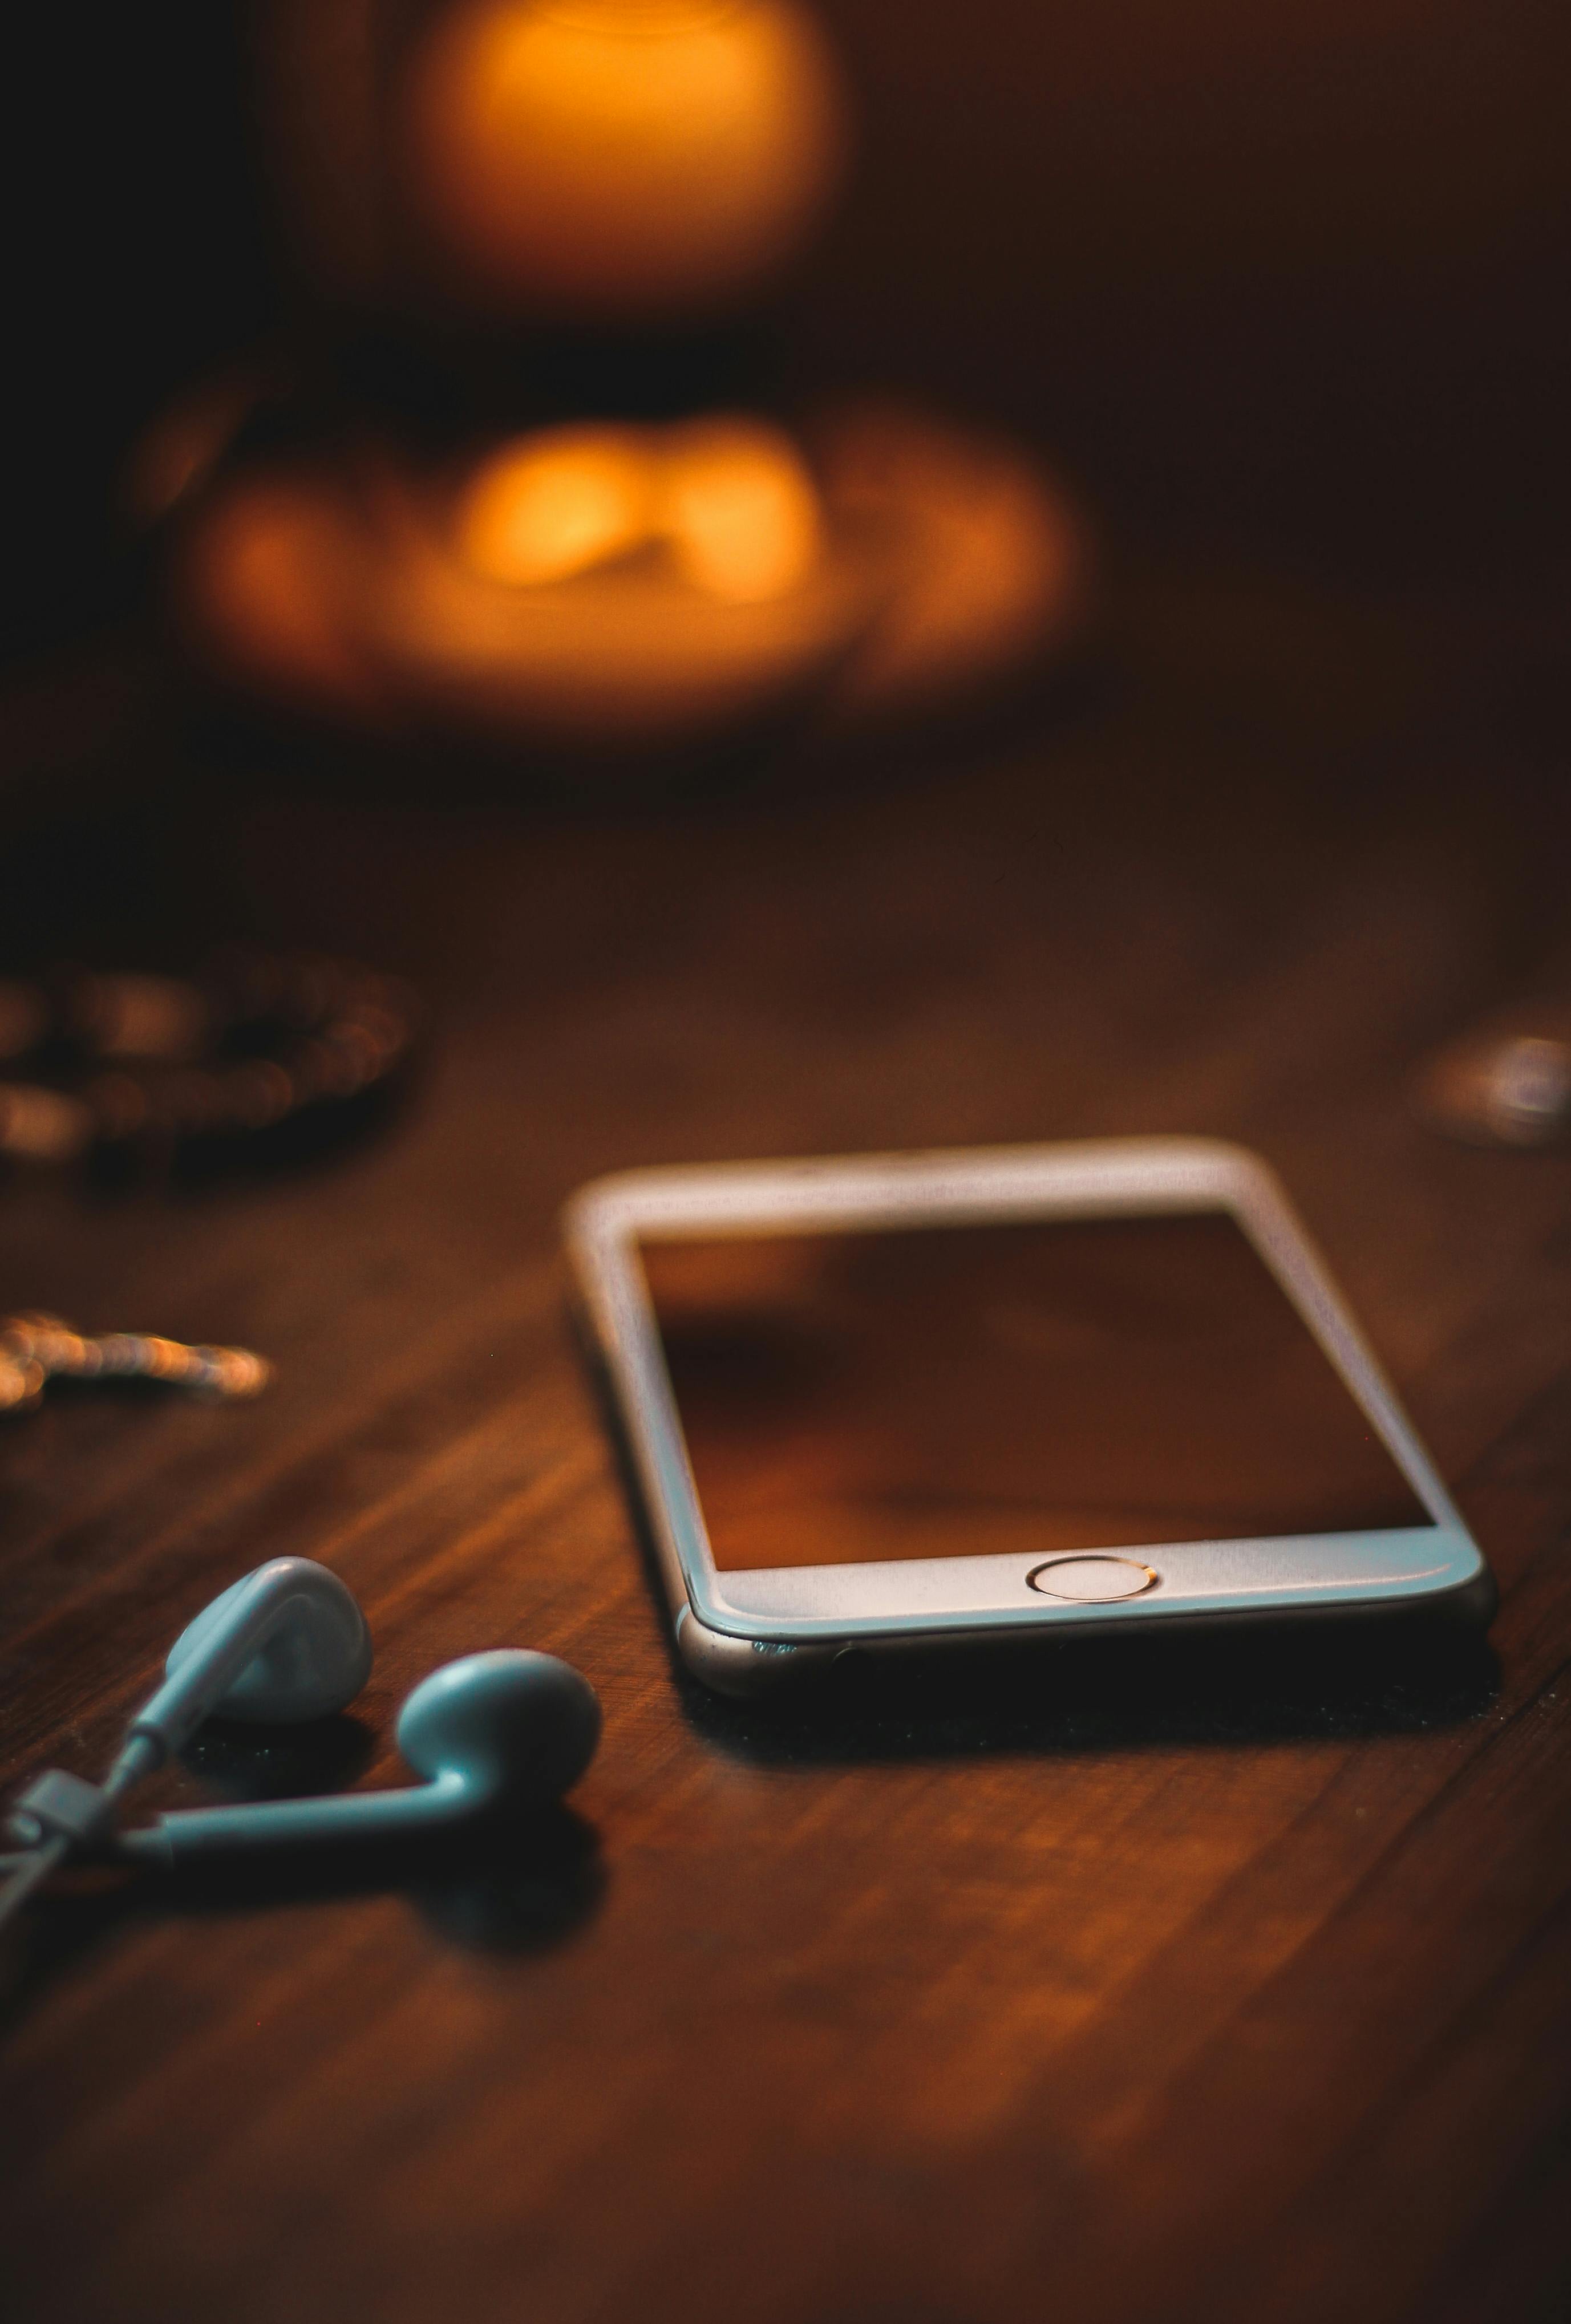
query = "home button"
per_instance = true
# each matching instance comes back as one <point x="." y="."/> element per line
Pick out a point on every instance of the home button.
<point x="1091" y="1581"/>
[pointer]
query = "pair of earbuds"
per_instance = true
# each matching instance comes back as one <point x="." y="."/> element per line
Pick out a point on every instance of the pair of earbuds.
<point x="497" y="1733"/>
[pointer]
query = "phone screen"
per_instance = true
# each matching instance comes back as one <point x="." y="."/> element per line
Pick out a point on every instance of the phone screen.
<point x="1032" y="1386"/>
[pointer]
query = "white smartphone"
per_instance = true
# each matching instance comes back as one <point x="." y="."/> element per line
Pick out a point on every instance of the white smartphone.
<point x="897" y="1399"/>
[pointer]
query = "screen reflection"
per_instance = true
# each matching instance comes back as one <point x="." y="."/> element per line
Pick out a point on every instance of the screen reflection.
<point x="1032" y="1386"/>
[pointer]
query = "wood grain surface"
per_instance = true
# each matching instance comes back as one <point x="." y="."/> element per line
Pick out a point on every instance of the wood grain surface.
<point x="1205" y="1984"/>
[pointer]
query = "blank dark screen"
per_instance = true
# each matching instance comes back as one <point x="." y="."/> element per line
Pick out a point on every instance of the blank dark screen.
<point x="1033" y="1386"/>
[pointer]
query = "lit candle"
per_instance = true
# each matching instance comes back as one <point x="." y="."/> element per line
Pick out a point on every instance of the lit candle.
<point x="619" y="157"/>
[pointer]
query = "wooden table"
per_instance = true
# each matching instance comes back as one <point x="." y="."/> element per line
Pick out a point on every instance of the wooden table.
<point x="1210" y="1986"/>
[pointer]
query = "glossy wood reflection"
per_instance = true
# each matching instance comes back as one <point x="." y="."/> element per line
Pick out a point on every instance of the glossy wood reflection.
<point x="1221" y="1985"/>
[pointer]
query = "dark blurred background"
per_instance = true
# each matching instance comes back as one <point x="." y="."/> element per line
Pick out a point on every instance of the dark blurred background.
<point x="1282" y="282"/>
<point x="1190" y="1996"/>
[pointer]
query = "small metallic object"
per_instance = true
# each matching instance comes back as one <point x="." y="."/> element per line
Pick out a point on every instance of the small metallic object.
<point x="35" y="1349"/>
<point x="1504" y="1084"/>
<point x="130" y="1073"/>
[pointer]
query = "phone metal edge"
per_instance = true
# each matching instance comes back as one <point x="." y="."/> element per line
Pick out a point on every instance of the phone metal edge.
<point x="725" y="1643"/>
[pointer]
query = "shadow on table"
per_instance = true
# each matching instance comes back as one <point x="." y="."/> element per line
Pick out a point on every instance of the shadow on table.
<point x="1329" y="1677"/>
<point x="1324" y="1680"/>
<point x="518" y="1887"/>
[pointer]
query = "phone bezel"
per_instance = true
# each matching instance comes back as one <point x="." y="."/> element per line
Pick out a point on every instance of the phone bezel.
<point x="1274" y="1575"/>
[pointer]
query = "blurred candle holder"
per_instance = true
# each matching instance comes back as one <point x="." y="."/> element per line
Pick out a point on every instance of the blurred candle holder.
<point x="583" y="587"/>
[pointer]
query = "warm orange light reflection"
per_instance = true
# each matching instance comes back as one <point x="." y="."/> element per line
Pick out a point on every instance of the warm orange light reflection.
<point x="619" y="156"/>
<point x="556" y="503"/>
<point x="740" y="510"/>
<point x="267" y="570"/>
<point x="729" y="498"/>
<point x="634" y="588"/>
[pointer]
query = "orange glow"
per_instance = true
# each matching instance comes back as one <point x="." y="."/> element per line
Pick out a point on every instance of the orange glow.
<point x="263" y="574"/>
<point x="619" y="156"/>
<point x="729" y="498"/>
<point x="929" y="565"/>
<point x="556" y="503"/>
<point x="740" y="510"/>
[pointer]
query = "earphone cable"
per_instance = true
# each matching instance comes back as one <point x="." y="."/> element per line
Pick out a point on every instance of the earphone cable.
<point x="30" y="1871"/>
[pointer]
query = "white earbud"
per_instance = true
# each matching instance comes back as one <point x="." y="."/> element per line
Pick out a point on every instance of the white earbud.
<point x="286" y="1642"/>
<point x="506" y="1730"/>
<point x="497" y="1733"/>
